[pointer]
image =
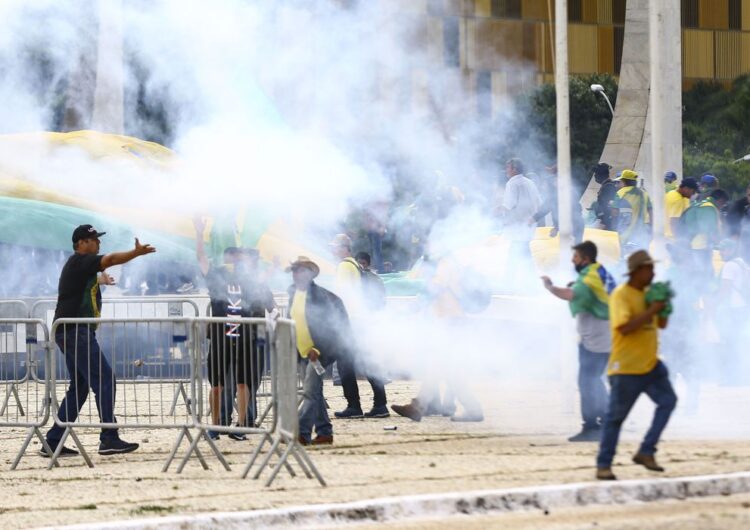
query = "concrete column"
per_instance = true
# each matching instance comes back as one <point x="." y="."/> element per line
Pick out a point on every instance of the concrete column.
<point x="108" y="115"/>
<point x="665" y="106"/>
<point x="563" y="126"/>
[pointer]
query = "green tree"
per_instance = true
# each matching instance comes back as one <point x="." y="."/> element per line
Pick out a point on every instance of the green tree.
<point x="590" y="119"/>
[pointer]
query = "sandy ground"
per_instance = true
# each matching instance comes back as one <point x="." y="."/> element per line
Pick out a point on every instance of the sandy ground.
<point x="522" y="443"/>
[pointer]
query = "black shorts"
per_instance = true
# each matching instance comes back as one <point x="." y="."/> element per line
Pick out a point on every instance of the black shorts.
<point x="236" y="353"/>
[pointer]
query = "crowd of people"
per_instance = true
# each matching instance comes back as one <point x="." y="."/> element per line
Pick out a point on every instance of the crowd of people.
<point x="617" y="324"/>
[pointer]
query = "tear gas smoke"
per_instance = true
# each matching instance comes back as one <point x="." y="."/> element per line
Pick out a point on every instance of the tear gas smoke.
<point x="298" y="111"/>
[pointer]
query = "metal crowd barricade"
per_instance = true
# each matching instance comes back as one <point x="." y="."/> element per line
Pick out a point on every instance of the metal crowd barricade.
<point x="230" y="363"/>
<point x="285" y="380"/>
<point x="30" y="408"/>
<point x="13" y="370"/>
<point x="128" y="308"/>
<point x="126" y="346"/>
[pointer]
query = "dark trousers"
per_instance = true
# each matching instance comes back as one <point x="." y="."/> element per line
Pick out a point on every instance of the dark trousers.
<point x="624" y="391"/>
<point x="376" y="248"/>
<point x="348" y="376"/>
<point x="591" y="366"/>
<point x="258" y="362"/>
<point x="87" y="368"/>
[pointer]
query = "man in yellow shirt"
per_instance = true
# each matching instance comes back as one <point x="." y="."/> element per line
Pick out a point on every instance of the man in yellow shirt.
<point x="634" y="367"/>
<point x="676" y="202"/>
<point x="348" y="286"/>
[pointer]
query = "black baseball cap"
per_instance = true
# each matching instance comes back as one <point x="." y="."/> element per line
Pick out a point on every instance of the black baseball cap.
<point x="86" y="232"/>
<point x="689" y="182"/>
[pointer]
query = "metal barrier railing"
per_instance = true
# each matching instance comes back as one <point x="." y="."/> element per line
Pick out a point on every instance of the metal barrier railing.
<point x="96" y="350"/>
<point x="29" y="406"/>
<point x="229" y="360"/>
<point x="287" y="427"/>
<point x="128" y="308"/>
<point x="129" y="402"/>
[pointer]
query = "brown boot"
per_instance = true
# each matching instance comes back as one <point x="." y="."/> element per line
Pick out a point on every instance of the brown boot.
<point x="323" y="439"/>
<point x="302" y="440"/>
<point x="647" y="461"/>
<point x="605" y="473"/>
<point x="412" y="411"/>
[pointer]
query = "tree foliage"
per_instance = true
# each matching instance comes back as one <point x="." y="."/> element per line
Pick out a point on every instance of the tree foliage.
<point x="715" y="127"/>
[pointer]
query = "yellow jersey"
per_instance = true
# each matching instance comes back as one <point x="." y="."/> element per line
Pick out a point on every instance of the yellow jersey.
<point x="635" y="353"/>
<point x="674" y="206"/>
<point x="297" y="312"/>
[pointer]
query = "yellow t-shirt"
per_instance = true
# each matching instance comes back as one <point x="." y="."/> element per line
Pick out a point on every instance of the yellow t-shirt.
<point x="348" y="286"/>
<point x="674" y="206"/>
<point x="297" y="312"/>
<point x="634" y="353"/>
<point x="446" y="284"/>
<point x="347" y="274"/>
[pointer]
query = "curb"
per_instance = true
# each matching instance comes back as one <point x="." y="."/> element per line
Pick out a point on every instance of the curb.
<point x="447" y="504"/>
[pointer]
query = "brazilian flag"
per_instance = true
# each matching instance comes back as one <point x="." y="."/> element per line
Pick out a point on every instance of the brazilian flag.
<point x="591" y="291"/>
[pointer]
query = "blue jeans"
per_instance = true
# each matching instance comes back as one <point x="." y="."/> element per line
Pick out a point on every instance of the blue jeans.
<point x="624" y="391"/>
<point x="591" y="366"/>
<point x="87" y="368"/>
<point x="313" y="411"/>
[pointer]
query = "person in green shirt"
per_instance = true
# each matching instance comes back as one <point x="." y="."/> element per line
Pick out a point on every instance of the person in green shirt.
<point x="701" y="230"/>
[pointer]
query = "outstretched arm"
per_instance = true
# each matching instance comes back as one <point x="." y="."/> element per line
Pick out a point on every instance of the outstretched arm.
<point x="118" y="258"/>
<point x="563" y="293"/>
<point x="200" y="249"/>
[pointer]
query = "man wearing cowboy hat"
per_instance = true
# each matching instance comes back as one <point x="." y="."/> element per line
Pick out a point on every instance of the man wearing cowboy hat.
<point x="634" y="366"/>
<point x="323" y="334"/>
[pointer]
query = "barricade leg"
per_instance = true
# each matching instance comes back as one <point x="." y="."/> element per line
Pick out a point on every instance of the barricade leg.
<point x="79" y="445"/>
<point x="180" y="392"/>
<point x="29" y="435"/>
<point x="267" y="459"/>
<point x="304" y="461"/>
<point x="202" y="434"/>
<point x="184" y="433"/>
<point x="277" y="467"/>
<point x="300" y="452"/>
<point x="266" y="438"/>
<point x="13" y="392"/>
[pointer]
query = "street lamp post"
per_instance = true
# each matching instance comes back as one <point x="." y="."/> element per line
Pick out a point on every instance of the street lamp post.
<point x="599" y="89"/>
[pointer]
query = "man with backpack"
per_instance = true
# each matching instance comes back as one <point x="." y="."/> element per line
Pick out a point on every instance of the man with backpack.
<point x="631" y="212"/>
<point x="349" y="286"/>
<point x="700" y="228"/>
<point x="373" y="288"/>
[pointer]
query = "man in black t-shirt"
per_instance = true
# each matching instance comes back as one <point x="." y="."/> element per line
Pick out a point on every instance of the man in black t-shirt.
<point x="79" y="296"/>
<point x="234" y="355"/>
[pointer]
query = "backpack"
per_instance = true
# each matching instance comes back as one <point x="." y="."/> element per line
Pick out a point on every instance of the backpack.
<point x="373" y="288"/>
<point x="686" y="227"/>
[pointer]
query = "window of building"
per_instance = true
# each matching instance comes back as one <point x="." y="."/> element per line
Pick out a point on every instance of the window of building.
<point x="689" y="13"/>
<point x="506" y="8"/>
<point x="451" y="42"/>
<point x="575" y="11"/>
<point x="735" y="14"/>
<point x="484" y="93"/>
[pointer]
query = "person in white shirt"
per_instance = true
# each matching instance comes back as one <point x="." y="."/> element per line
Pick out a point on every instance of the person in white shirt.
<point x="732" y="308"/>
<point x="521" y="202"/>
